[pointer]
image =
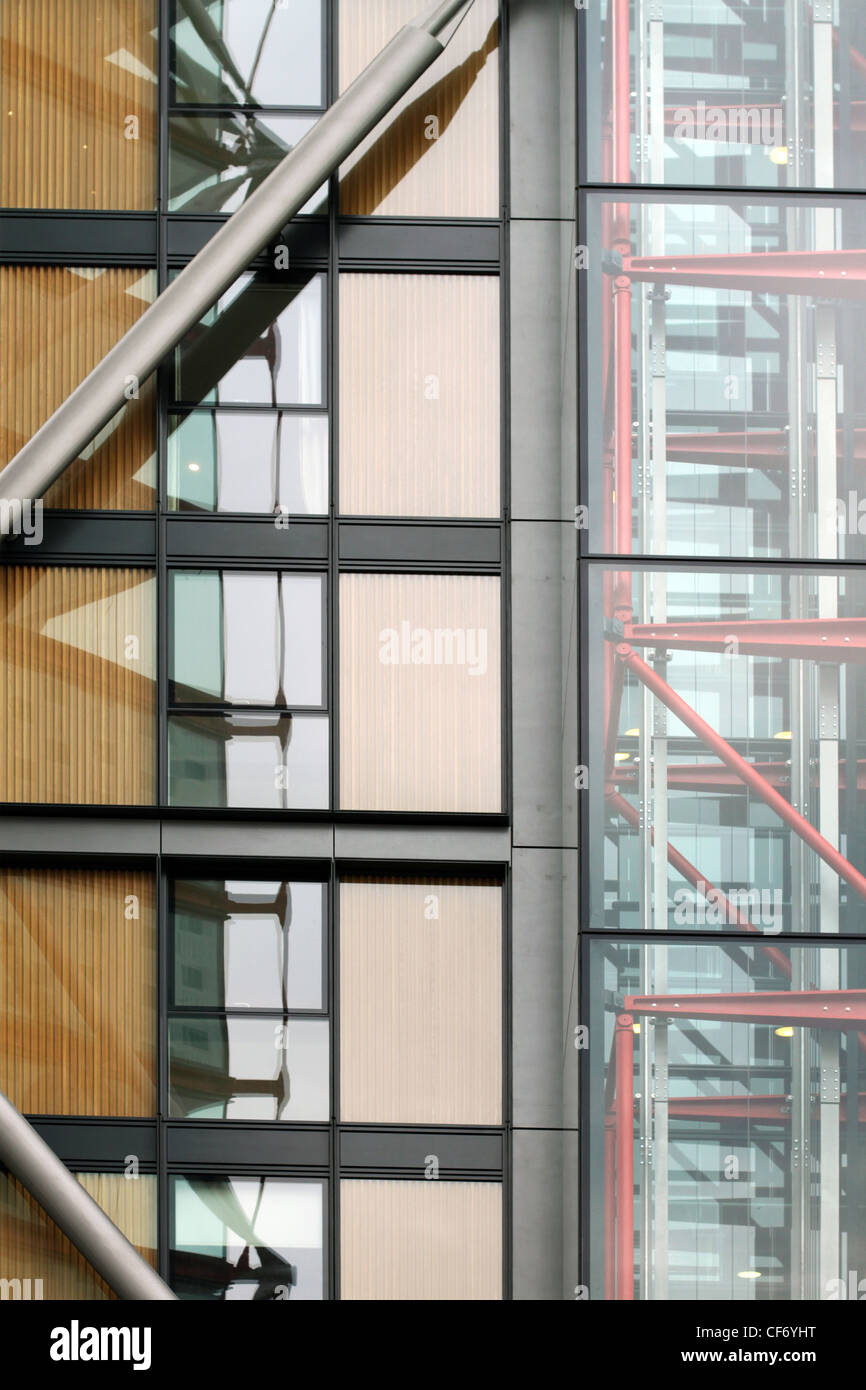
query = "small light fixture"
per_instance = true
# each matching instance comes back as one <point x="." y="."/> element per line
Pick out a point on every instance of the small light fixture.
<point x="632" y="733"/>
<point x="784" y="1032"/>
<point x="194" y="467"/>
<point x="783" y="733"/>
<point x="621" y="757"/>
<point x="749" y="1274"/>
<point x="635" y="1027"/>
<point x="779" y="154"/>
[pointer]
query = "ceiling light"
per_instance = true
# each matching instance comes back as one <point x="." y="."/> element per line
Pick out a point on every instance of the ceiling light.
<point x="784" y="1032"/>
<point x="779" y="154"/>
<point x="749" y="1274"/>
<point x="783" y="733"/>
<point x="194" y="467"/>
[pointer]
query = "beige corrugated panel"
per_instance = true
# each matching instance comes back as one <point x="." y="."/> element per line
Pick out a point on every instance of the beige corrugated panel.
<point x="33" y="1247"/>
<point x="437" y="153"/>
<point x="420" y="1240"/>
<point x="418" y="733"/>
<point x="420" y="1002"/>
<point x="56" y="324"/>
<point x="419" y="395"/>
<point x="78" y="991"/>
<point x="78" y="104"/>
<point x="77" y="687"/>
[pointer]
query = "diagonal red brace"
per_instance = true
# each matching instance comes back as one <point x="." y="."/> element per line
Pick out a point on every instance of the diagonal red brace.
<point x="745" y="770"/>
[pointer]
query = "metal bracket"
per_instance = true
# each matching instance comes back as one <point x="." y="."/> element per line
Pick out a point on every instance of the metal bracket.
<point x="830" y="1081"/>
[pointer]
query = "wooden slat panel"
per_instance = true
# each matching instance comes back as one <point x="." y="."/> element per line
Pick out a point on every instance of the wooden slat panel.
<point x="77" y="685"/>
<point x="420" y="1002"/>
<point x="56" y="324"/>
<point x="417" y="734"/>
<point x="410" y="167"/>
<point x="33" y="1247"/>
<point x="420" y="1240"/>
<point x="77" y="78"/>
<point x="419" y="395"/>
<point x="78" y="991"/>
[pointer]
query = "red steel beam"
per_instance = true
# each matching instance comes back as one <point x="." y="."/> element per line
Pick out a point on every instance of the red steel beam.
<point x="693" y="876"/>
<point x="609" y="1207"/>
<point x="624" y="1151"/>
<point x="808" y="1008"/>
<point x="773" y="1109"/>
<point x="834" y="274"/>
<point x="745" y="770"/>
<point x="715" y="777"/>
<point x="745" y="448"/>
<point x="802" y="639"/>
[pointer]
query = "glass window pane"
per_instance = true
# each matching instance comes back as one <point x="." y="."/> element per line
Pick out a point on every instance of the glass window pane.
<point x="248" y="52"/>
<point x="736" y="386"/>
<point x="77" y="685"/>
<point x="216" y="161"/>
<point x="728" y="704"/>
<point x="247" y="1238"/>
<point x="44" y="355"/>
<point x="419" y="395"/>
<point x="436" y="153"/>
<point x="247" y="638"/>
<point x="420" y="693"/>
<point x="738" y="1041"/>
<point x="420" y="1240"/>
<point x="79" y="104"/>
<point x="420" y="1002"/>
<point x="260" y="345"/>
<point x="244" y="944"/>
<point x="248" y="461"/>
<point x="715" y="94"/>
<point x="276" y="762"/>
<point x="78" y="991"/>
<point x="235" y="1068"/>
<point x="38" y="1260"/>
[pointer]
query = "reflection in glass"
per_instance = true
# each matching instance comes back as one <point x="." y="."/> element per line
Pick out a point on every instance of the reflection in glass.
<point x="247" y="638"/>
<point x="261" y="344"/>
<point x="258" y="1239"/>
<point x="247" y="1068"/>
<point x="721" y="94"/>
<point x="269" y="761"/>
<point x="40" y="1262"/>
<point x="729" y="707"/>
<point x="724" y="362"/>
<point x="243" y="944"/>
<point x="248" y="52"/>
<point x="436" y="153"/>
<point x="248" y="461"/>
<point x="728" y="1062"/>
<point x="216" y="161"/>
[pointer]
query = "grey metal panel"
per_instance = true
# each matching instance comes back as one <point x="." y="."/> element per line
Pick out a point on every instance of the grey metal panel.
<point x="461" y="844"/>
<point x="542" y="580"/>
<point x="58" y="835"/>
<point x="99" y="1143"/>
<point x="419" y="243"/>
<point x="246" y="540"/>
<point x="537" y="996"/>
<point x="129" y="538"/>
<point x="246" y="838"/>
<point x="541" y="98"/>
<point x="62" y="238"/>
<point x="203" y="1144"/>
<point x="543" y="480"/>
<point x="570" y="988"/>
<point x="536" y="1187"/>
<point x="409" y="1151"/>
<point x="424" y="544"/>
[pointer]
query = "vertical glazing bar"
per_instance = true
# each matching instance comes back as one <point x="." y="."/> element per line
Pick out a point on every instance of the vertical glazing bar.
<point x="625" y="1158"/>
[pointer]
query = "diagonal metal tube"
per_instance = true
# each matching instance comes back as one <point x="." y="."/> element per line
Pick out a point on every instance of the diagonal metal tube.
<point x="26" y="1154"/>
<point x="279" y="198"/>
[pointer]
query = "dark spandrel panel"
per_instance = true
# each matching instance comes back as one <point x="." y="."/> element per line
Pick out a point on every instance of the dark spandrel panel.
<point x="724" y="377"/>
<point x="248" y="52"/>
<point x="262" y="344"/>
<point x="247" y="638"/>
<point x="726" y="787"/>
<point x="728" y="1061"/>
<point x="258" y="462"/>
<point x="255" y="1239"/>
<point x="248" y="1068"/>
<point x="216" y="161"/>
<point x="261" y="761"/>
<point x="706" y="93"/>
<point x="247" y="944"/>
